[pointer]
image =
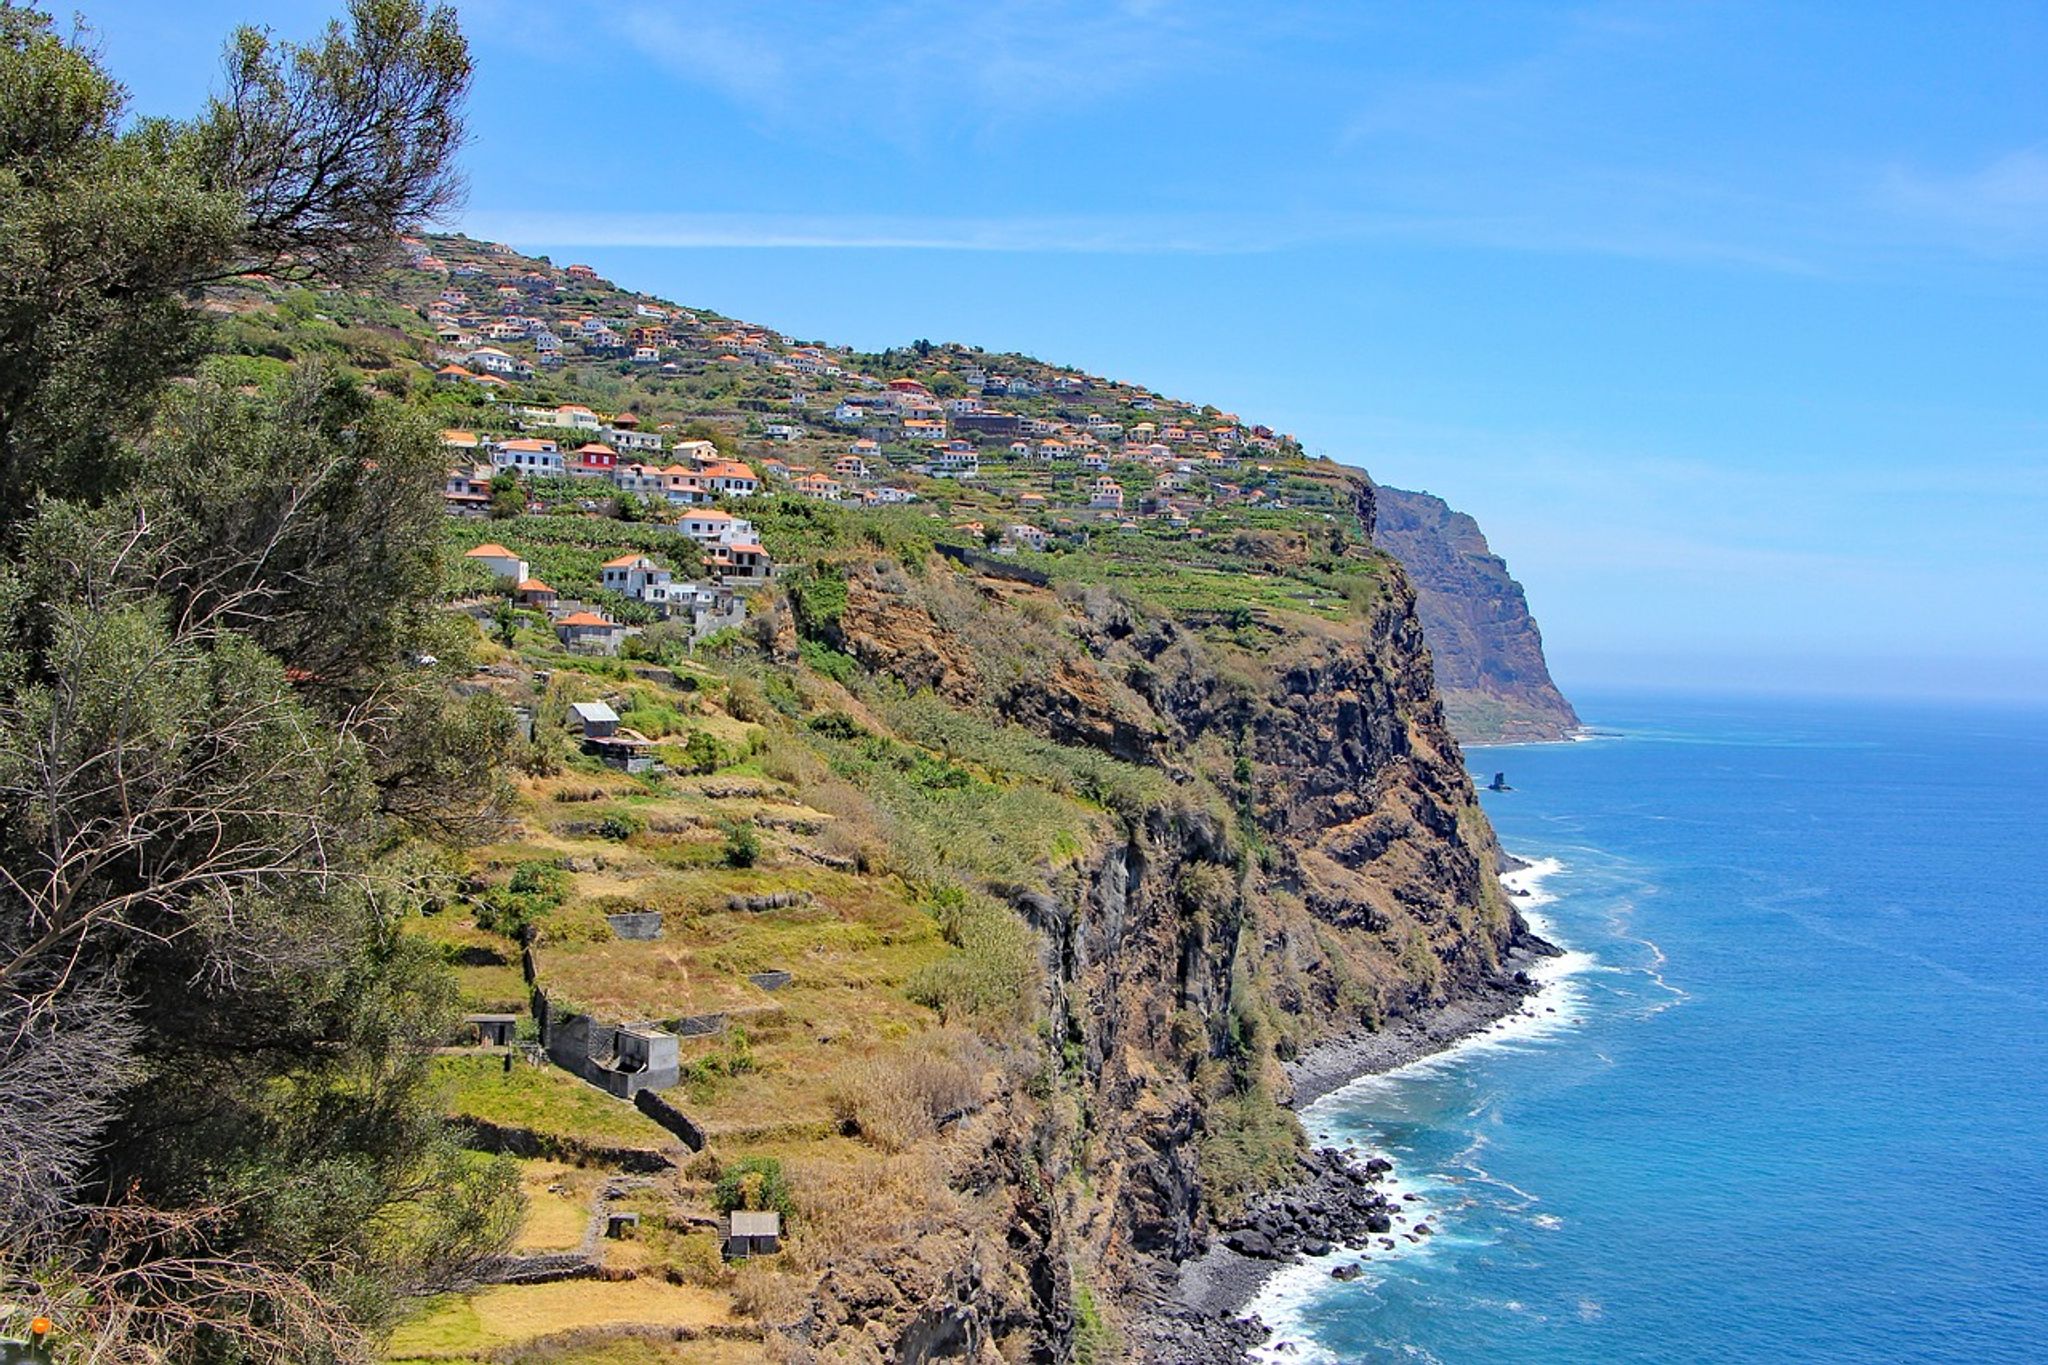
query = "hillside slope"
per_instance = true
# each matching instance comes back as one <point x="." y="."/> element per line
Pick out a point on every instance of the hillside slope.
<point x="996" y="864"/>
<point x="1488" y="652"/>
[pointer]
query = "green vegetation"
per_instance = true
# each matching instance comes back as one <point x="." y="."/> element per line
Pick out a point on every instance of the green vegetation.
<point x="1095" y="1341"/>
<point x="923" y="741"/>
<point x="753" y="1182"/>
<point x="992" y="975"/>
<point x="213" y="724"/>
<point x="742" y="844"/>
<point x="546" y="1101"/>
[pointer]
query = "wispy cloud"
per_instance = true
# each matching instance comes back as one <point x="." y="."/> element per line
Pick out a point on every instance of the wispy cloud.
<point x="1107" y="234"/>
<point x="927" y="67"/>
<point x="1227" y="234"/>
<point x="2001" y="206"/>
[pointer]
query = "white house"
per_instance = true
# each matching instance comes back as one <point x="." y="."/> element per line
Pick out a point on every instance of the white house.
<point x="528" y="455"/>
<point x="731" y="478"/>
<point x="574" y="416"/>
<point x="491" y="360"/>
<point x="499" y="561"/>
<point x="1107" y="493"/>
<point x="622" y="438"/>
<point x="467" y="493"/>
<point x="1027" y="537"/>
<point x="955" y="464"/>
<point x="637" y="577"/>
<point x="709" y="526"/>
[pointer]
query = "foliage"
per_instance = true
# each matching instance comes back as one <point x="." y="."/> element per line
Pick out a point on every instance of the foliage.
<point x="621" y="825"/>
<point x="1249" y="1145"/>
<point x="535" y="889"/>
<point x="1095" y="1341"/>
<point x="753" y="1183"/>
<point x="818" y="596"/>
<point x="742" y="844"/>
<point x="993" y="973"/>
<point x="901" y="1098"/>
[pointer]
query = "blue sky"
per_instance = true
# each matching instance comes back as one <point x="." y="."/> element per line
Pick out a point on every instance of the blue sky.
<point x="1729" y="321"/>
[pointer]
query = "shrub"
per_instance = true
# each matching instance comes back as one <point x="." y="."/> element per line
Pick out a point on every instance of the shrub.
<point x="584" y="923"/>
<point x="1095" y="1341"/>
<point x="742" y="844"/>
<point x="621" y="825"/>
<point x="843" y="669"/>
<point x="894" y="1101"/>
<point x="1249" y="1145"/>
<point x="837" y="725"/>
<point x="701" y="753"/>
<point x="745" y="700"/>
<point x="534" y="890"/>
<point x="992" y="975"/>
<point x="540" y="878"/>
<point x="753" y="1183"/>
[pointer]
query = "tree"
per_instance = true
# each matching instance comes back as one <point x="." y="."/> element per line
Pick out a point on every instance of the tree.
<point x="220" y="718"/>
<point x="508" y="499"/>
<point x="742" y="844"/>
<point x="311" y="163"/>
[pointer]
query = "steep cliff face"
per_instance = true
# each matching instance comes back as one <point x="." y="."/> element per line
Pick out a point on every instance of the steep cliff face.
<point x="1317" y="863"/>
<point x="1488" y="652"/>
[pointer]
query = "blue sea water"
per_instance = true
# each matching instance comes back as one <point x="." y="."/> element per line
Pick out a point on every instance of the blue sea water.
<point x="1788" y="1098"/>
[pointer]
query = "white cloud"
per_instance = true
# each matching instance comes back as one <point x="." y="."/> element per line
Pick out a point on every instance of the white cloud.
<point x="903" y="70"/>
<point x="2001" y="206"/>
<point x="1108" y="234"/>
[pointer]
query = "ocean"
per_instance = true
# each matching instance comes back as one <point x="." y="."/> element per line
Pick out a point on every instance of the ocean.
<point x="1786" y="1098"/>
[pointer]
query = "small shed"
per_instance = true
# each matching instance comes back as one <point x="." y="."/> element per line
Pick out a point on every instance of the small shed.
<point x="598" y="720"/>
<point x="752" y="1233"/>
<point x="493" y="1030"/>
<point x="620" y="1225"/>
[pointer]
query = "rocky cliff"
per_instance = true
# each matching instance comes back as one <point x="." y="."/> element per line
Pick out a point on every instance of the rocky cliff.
<point x="1316" y="863"/>
<point x="1488" y="652"/>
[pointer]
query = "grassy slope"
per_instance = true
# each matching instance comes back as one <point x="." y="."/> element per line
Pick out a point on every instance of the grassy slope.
<point x="902" y="986"/>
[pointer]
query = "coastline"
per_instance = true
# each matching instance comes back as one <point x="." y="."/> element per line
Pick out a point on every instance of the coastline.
<point x="1205" y="1322"/>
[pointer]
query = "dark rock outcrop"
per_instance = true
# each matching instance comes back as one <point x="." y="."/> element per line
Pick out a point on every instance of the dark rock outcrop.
<point x="1487" y="650"/>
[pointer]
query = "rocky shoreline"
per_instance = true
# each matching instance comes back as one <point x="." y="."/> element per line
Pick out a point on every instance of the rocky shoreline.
<point x="1337" y="1200"/>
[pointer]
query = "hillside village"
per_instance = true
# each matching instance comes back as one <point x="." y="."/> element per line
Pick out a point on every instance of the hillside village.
<point x="565" y="396"/>
<point x="736" y="984"/>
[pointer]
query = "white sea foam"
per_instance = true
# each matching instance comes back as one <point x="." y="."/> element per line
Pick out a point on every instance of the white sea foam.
<point x="1556" y="1006"/>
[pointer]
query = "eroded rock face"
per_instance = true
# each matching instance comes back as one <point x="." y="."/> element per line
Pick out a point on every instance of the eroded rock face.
<point x="1319" y="861"/>
<point x="1487" y="649"/>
